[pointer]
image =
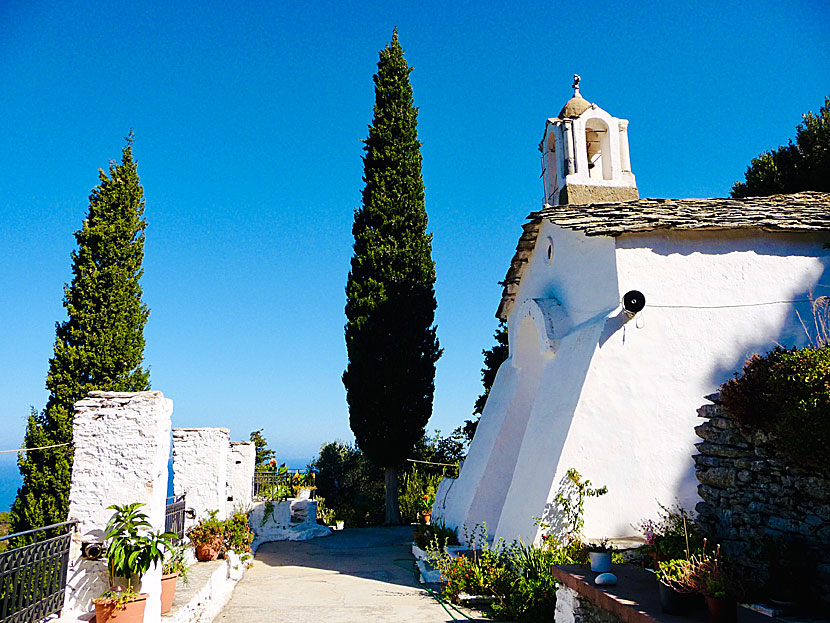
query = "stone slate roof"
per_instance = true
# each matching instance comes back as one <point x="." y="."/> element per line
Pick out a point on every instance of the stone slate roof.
<point x="799" y="212"/>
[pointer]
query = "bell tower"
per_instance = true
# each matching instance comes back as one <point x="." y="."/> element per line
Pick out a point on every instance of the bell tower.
<point x="585" y="155"/>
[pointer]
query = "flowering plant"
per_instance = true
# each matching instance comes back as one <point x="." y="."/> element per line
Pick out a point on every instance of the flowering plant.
<point x="427" y="500"/>
<point x="673" y="536"/>
<point x="711" y="575"/>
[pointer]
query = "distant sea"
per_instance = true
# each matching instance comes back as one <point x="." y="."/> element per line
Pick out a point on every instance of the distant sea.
<point x="9" y="481"/>
<point x="10" y="478"/>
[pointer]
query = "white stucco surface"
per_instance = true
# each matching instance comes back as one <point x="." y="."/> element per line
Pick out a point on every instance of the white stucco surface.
<point x="241" y="459"/>
<point x="274" y="522"/>
<point x="122" y="441"/>
<point x="200" y="470"/>
<point x="616" y="398"/>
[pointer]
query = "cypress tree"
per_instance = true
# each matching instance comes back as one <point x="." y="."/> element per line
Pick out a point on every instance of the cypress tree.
<point x="101" y="344"/>
<point x="390" y="309"/>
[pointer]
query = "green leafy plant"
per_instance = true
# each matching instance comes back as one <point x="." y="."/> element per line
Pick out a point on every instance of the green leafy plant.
<point x="418" y="493"/>
<point x="786" y="393"/>
<point x="325" y="515"/>
<point x="174" y="562"/>
<point x="674" y="535"/>
<point x="132" y="548"/>
<point x="208" y="531"/>
<point x="435" y="536"/>
<point x="119" y="597"/>
<point x="352" y="486"/>
<point x="602" y="547"/>
<point x="712" y="574"/>
<point x="518" y="577"/>
<point x="237" y="533"/>
<point x="677" y="574"/>
<point x="482" y="570"/>
<point x="570" y="506"/>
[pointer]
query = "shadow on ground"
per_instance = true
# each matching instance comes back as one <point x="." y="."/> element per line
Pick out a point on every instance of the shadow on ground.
<point x="362" y="575"/>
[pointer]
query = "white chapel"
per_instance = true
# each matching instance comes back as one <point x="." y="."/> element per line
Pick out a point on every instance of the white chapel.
<point x="623" y="314"/>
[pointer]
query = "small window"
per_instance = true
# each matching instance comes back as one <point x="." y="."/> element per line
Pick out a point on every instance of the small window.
<point x="549" y="252"/>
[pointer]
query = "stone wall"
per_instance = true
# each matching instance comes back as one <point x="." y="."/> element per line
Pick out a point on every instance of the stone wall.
<point x="748" y="493"/>
<point x="571" y="607"/>
<point x="241" y="459"/>
<point x="200" y="470"/>
<point x="122" y="441"/>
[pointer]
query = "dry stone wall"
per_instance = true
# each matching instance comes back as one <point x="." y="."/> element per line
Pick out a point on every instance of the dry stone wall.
<point x="747" y="492"/>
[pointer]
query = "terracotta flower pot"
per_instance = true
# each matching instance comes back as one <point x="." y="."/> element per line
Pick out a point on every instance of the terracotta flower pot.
<point x="168" y="591"/>
<point x="722" y="610"/>
<point x="426" y="517"/>
<point x="132" y="612"/>
<point x="206" y="552"/>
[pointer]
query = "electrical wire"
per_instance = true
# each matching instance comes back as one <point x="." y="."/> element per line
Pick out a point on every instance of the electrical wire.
<point x="57" y="445"/>
<point x="432" y="463"/>
<point x="728" y="306"/>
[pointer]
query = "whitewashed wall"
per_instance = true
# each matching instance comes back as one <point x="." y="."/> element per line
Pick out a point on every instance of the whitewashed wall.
<point x="241" y="459"/>
<point x="122" y="441"/>
<point x="200" y="470"/>
<point x="615" y="398"/>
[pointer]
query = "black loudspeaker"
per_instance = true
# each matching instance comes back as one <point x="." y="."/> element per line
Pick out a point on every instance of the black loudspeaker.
<point x="91" y="551"/>
<point x="633" y="301"/>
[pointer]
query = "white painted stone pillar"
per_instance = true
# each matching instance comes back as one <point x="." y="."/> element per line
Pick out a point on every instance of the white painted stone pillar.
<point x="569" y="147"/>
<point x="122" y="441"/>
<point x="200" y="470"/>
<point x="625" y="156"/>
<point x="241" y="459"/>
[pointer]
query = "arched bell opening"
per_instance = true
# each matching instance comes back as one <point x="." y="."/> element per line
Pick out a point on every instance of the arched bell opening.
<point x="598" y="144"/>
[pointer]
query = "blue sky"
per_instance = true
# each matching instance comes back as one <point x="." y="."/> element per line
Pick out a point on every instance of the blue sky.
<point x="248" y="119"/>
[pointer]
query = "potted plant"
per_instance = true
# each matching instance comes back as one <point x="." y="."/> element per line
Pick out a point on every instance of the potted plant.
<point x="238" y="534"/>
<point x="208" y="537"/>
<point x="673" y="536"/>
<point x="132" y="549"/>
<point x="427" y="500"/>
<point x="600" y="555"/>
<point x="678" y="592"/>
<point x="173" y="568"/>
<point x="712" y="577"/>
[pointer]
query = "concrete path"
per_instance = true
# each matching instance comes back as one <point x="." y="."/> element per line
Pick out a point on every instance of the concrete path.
<point x="360" y="575"/>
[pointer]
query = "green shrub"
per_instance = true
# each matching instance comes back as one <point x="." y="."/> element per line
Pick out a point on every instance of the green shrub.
<point x="518" y="577"/>
<point x="786" y="393"/>
<point x="352" y="486"/>
<point x="415" y="486"/>
<point x="435" y="536"/>
<point x="238" y="533"/>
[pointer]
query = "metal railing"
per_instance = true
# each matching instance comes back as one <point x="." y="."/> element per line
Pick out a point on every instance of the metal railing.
<point x="33" y="577"/>
<point x="174" y="516"/>
<point x="270" y="484"/>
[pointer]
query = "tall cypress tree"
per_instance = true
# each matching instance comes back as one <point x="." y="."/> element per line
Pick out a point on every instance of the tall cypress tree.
<point x="390" y="308"/>
<point x="99" y="347"/>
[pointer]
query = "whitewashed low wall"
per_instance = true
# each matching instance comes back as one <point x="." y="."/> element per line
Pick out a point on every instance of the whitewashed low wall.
<point x="209" y="600"/>
<point x="272" y="522"/>
<point x="241" y="463"/>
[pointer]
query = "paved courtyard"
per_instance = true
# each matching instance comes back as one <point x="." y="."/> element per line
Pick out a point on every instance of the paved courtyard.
<point x="354" y="576"/>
